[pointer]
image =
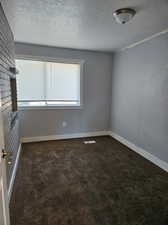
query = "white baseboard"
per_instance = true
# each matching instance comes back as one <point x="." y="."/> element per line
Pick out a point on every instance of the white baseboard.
<point x="14" y="173"/>
<point x="63" y="136"/>
<point x="162" y="164"/>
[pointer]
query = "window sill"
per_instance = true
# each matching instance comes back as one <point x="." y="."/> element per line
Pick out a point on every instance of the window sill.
<point x="56" y="107"/>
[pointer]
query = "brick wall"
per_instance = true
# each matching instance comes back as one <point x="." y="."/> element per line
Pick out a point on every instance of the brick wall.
<point x="10" y="119"/>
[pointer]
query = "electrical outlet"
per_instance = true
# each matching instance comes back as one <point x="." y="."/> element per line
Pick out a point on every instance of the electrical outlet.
<point x="64" y="124"/>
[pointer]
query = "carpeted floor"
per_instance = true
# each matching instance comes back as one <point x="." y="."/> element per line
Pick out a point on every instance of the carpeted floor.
<point x="69" y="183"/>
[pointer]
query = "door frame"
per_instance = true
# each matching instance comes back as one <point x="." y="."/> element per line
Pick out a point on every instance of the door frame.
<point x="4" y="203"/>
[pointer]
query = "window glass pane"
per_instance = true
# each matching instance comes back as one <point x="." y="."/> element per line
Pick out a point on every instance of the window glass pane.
<point x="62" y="103"/>
<point x="36" y="103"/>
<point x="48" y="83"/>
<point x="30" y="80"/>
<point x="63" y="81"/>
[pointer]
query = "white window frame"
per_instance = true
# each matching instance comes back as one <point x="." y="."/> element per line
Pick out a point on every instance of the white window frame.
<point x="56" y="60"/>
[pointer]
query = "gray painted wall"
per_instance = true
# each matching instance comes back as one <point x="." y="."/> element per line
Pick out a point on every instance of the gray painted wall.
<point x="139" y="109"/>
<point x="97" y="93"/>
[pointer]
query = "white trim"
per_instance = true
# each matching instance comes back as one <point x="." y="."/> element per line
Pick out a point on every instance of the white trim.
<point x="49" y="59"/>
<point x="162" y="164"/>
<point x="63" y="136"/>
<point x="24" y="108"/>
<point x="14" y="173"/>
<point x="145" y="40"/>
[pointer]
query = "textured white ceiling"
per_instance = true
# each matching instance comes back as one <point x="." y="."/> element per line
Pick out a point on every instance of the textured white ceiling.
<point x="85" y="24"/>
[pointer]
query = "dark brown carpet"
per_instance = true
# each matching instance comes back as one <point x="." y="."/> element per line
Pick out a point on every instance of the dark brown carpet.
<point x="68" y="183"/>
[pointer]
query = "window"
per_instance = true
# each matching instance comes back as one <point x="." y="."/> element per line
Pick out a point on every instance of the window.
<point x="48" y="84"/>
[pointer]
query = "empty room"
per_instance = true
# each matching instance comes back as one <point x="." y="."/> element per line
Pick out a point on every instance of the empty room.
<point x="83" y="112"/>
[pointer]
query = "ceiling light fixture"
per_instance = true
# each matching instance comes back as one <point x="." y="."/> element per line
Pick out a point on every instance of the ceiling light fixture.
<point x="124" y="15"/>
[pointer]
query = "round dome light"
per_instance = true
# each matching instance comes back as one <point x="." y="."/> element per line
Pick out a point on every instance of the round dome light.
<point x="124" y="15"/>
